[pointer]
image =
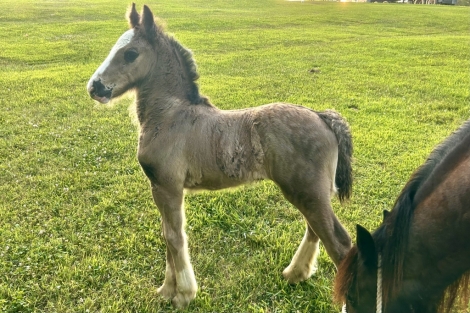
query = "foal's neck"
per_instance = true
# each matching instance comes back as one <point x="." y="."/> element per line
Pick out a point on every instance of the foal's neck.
<point x="170" y="84"/>
<point x="153" y="104"/>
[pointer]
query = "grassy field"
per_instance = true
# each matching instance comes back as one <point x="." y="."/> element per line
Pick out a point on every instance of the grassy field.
<point x="78" y="229"/>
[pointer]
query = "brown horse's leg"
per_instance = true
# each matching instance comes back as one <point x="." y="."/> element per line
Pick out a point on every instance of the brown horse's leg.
<point x="303" y="264"/>
<point x="180" y="282"/>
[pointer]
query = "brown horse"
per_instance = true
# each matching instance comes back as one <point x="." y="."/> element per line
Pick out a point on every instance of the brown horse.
<point x="187" y="143"/>
<point x="418" y="260"/>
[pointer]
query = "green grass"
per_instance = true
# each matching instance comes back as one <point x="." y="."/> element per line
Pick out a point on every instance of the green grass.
<point x="78" y="229"/>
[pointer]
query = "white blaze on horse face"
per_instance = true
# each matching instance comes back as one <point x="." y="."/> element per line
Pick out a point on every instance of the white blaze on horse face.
<point x="122" y="42"/>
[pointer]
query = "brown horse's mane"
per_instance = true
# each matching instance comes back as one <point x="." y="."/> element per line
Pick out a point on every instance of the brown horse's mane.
<point x="391" y="238"/>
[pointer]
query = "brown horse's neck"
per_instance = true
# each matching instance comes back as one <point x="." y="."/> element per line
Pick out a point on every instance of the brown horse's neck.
<point x="405" y="295"/>
<point x="422" y="289"/>
<point x="432" y="275"/>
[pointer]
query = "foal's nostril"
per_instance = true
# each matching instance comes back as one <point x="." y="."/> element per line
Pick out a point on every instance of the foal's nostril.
<point x="97" y="87"/>
<point x="100" y="90"/>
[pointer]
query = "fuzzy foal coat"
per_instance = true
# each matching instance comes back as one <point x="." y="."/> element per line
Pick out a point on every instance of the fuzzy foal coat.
<point x="187" y="143"/>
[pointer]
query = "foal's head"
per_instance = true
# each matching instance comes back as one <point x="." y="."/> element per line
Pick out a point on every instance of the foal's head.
<point x="130" y="60"/>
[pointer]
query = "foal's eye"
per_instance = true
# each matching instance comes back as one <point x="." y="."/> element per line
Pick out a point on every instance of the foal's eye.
<point x="130" y="56"/>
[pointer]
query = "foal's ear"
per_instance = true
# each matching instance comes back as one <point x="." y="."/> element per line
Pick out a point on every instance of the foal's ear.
<point x="148" y="22"/>
<point x="132" y="16"/>
<point x="366" y="247"/>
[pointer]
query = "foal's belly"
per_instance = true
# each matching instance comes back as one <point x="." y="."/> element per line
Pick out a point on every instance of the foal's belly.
<point x="220" y="181"/>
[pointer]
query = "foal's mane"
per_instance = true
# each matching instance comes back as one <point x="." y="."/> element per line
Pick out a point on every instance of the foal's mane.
<point x="189" y="66"/>
<point x="391" y="238"/>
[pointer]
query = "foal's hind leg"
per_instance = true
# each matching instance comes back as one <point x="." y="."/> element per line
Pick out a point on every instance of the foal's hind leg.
<point x="180" y="283"/>
<point x="304" y="262"/>
<point x="326" y="225"/>
<point x="321" y="218"/>
<point x="312" y="198"/>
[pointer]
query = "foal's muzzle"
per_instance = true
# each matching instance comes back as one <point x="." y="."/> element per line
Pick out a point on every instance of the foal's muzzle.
<point x="100" y="92"/>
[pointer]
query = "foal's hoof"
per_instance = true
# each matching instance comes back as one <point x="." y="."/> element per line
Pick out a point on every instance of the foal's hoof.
<point x="182" y="300"/>
<point x="295" y="275"/>
<point x="166" y="291"/>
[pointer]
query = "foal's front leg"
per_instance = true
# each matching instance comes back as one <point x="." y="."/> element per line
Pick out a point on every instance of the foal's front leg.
<point x="180" y="283"/>
<point x="168" y="289"/>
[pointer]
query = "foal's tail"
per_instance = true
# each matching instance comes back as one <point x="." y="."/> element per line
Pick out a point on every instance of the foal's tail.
<point x="340" y="127"/>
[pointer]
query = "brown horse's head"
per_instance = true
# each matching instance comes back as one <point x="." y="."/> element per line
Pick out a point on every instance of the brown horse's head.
<point x="356" y="281"/>
<point x="130" y="60"/>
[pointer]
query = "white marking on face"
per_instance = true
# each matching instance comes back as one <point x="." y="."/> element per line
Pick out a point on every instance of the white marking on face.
<point x="122" y="41"/>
